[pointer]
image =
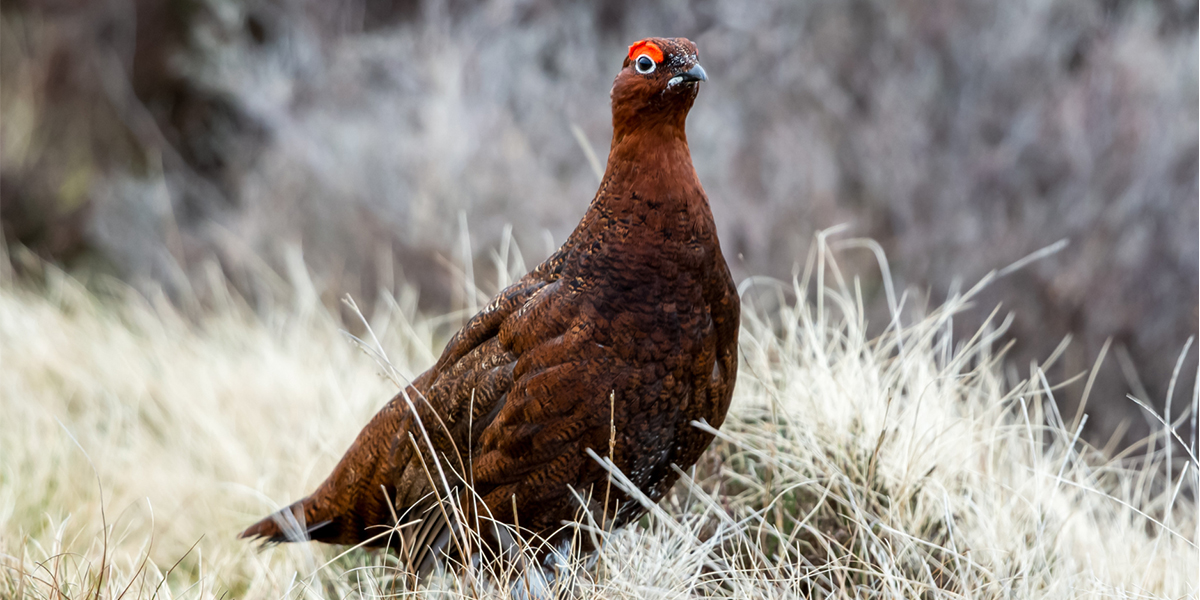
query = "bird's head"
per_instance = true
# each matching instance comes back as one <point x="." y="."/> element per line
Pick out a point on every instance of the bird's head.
<point x="657" y="85"/>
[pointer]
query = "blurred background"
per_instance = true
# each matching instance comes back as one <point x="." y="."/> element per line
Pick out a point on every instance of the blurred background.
<point x="166" y="142"/>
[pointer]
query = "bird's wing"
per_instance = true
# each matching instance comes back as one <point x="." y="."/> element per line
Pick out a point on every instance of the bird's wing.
<point x="557" y="405"/>
<point x="570" y="392"/>
<point x="390" y="470"/>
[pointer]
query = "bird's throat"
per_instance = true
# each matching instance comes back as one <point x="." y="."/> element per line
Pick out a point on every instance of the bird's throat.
<point x="653" y="165"/>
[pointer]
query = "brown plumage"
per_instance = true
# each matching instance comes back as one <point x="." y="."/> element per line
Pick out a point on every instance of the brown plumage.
<point x="632" y="322"/>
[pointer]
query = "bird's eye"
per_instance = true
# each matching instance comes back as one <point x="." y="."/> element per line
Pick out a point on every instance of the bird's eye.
<point x="644" y="64"/>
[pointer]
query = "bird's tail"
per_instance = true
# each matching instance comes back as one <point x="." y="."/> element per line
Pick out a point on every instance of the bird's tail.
<point x="352" y="498"/>
<point x="424" y="537"/>
<point x="377" y="495"/>
<point x="295" y="523"/>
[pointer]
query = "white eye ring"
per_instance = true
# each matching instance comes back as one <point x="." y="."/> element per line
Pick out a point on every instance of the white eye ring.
<point x="644" y="64"/>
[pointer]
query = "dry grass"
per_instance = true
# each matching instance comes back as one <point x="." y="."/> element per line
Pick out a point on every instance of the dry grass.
<point x="137" y="442"/>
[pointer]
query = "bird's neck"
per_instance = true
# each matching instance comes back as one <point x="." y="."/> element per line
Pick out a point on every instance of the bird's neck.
<point x="651" y="166"/>
<point x="633" y="122"/>
<point x="649" y="205"/>
<point x="650" y="191"/>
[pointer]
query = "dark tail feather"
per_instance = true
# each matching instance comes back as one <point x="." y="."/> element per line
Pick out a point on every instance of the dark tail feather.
<point x="286" y="525"/>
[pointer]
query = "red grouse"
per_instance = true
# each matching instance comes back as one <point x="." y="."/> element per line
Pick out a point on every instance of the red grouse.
<point x="630" y="326"/>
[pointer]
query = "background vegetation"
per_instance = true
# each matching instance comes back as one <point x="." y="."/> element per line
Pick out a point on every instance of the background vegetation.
<point x="151" y="138"/>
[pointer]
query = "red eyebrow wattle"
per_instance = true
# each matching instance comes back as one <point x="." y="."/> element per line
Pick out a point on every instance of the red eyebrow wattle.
<point x="648" y="48"/>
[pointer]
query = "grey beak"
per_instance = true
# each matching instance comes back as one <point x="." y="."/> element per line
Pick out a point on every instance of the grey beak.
<point x="696" y="73"/>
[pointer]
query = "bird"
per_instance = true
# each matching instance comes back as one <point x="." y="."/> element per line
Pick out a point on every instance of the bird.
<point x="608" y="356"/>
